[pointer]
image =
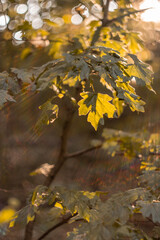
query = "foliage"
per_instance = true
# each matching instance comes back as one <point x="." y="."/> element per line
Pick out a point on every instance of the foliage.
<point x="96" y="74"/>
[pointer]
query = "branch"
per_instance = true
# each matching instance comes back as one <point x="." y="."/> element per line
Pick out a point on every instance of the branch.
<point x="79" y="153"/>
<point x="29" y="230"/>
<point x="60" y="161"/>
<point x="150" y="220"/>
<point x="66" y="128"/>
<point x="105" y="12"/>
<point x="154" y="153"/>
<point x="117" y="19"/>
<point x="105" y="18"/>
<point x="63" y="147"/>
<point x="65" y="219"/>
<point x="106" y="22"/>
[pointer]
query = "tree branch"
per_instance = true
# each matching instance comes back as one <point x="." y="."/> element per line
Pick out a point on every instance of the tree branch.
<point x="29" y="230"/>
<point x="66" y="127"/>
<point x="65" y="219"/>
<point x="106" y="22"/>
<point x="150" y="220"/>
<point x="117" y="19"/>
<point x="63" y="147"/>
<point x="105" y="18"/>
<point x="105" y="12"/>
<point x="60" y="161"/>
<point x="79" y="153"/>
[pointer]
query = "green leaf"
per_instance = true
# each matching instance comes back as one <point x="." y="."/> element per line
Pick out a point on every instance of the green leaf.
<point x="150" y="210"/>
<point x="84" y="69"/>
<point x="133" y="41"/>
<point x="118" y="141"/>
<point x="90" y="232"/>
<point x="127" y="93"/>
<point x="152" y="179"/>
<point x="141" y="72"/>
<point x="135" y="104"/>
<point x="48" y="115"/>
<point x="23" y="74"/>
<point x="40" y="196"/>
<point x="96" y="105"/>
<point x="4" y="97"/>
<point x="77" y="201"/>
<point x="116" y="45"/>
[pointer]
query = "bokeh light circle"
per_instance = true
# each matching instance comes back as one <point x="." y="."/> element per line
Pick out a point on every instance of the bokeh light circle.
<point x="4" y="20"/>
<point x="18" y="36"/>
<point x="76" y="19"/>
<point x="21" y="8"/>
<point x="37" y="23"/>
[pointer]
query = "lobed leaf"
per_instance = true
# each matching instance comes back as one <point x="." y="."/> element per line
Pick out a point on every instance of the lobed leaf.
<point x="96" y="105"/>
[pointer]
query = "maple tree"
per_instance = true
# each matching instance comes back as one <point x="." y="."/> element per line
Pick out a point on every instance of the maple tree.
<point x="92" y="74"/>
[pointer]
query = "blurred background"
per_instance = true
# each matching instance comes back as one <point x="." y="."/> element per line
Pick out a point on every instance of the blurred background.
<point x="31" y="33"/>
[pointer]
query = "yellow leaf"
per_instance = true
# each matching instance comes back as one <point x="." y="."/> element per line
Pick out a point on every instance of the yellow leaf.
<point x="50" y="23"/>
<point x="96" y="105"/>
<point x="30" y="218"/>
<point x="58" y="205"/>
<point x="90" y="195"/>
<point x="6" y="215"/>
<point x="11" y="224"/>
<point x="67" y="18"/>
<point x="60" y="95"/>
<point x="25" y="53"/>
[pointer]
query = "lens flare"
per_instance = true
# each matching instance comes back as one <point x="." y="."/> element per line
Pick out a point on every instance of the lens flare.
<point x="153" y="14"/>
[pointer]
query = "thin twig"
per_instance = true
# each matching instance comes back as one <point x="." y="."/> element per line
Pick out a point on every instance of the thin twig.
<point x="150" y="220"/>
<point x="79" y="153"/>
<point x="5" y="190"/>
<point x="117" y="19"/>
<point x="65" y="219"/>
<point x="106" y="22"/>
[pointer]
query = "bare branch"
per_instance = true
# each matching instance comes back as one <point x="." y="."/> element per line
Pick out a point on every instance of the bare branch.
<point x="79" y="153"/>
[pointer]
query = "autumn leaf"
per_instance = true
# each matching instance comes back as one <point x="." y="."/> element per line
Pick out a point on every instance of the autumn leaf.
<point x="96" y="105"/>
